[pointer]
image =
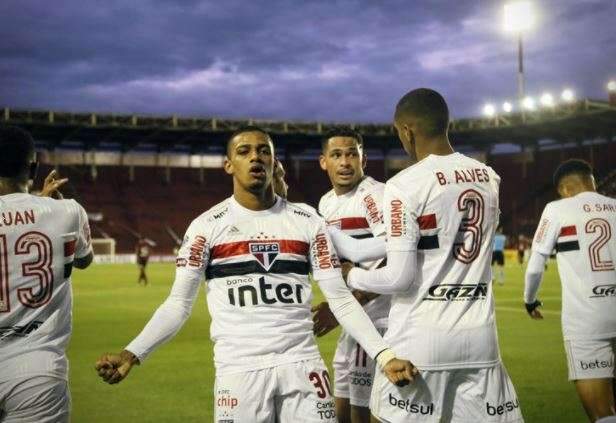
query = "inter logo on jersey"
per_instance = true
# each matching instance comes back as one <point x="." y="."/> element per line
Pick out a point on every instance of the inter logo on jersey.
<point x="265" y="252"/>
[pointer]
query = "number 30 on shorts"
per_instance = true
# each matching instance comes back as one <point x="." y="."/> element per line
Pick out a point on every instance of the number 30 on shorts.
<point x="321" y="383"/>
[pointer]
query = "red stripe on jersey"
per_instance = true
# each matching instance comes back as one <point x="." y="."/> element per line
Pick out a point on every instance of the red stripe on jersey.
<point x="348" y="223"/>
<point x="242" y="247"/>
<point x="69" y="248"/>
<point x="567" y="231"/>
<point x="427" y="221"/>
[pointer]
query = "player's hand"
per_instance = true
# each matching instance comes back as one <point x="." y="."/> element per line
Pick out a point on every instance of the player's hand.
<point x="400" y="372"/>
<point x="346" y="268"/>
<point x="323" y="319"/>
<point x="113" y="368"/>
<point x="533" y="310"/>
<point x="52" y="185"/>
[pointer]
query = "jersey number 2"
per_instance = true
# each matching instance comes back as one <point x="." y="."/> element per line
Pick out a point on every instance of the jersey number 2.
<point x="471" y="204"/>
<point x="602" y="226"/>
<point x="39" y="268"/>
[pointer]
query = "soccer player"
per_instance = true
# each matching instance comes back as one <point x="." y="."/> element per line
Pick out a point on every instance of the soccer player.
<point x="581" y="226"/>
<point x="440" y="215"/>
<point x="256" y="250"/>
<point x="142" y="253"/>
<point x="498" y="255"/>
<point x="41" y="240"/>
<point x="354" y="205"/>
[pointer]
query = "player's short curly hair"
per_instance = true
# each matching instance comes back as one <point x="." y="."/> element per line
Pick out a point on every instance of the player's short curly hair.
<point x="16" y="150"/>
<point x="342" y="132"/>
<point x="243" y="129"/>
<point x="571" y="167"/>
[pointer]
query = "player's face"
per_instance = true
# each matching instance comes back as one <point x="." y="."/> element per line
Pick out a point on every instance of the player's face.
<point x="251" y="161"/>
<point x="280" y="185"/>
<point x="344" y="162"/>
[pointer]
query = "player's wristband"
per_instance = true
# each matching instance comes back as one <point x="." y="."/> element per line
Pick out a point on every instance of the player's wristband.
<point x="530" y="307"/>
<point x="385" y="357"/>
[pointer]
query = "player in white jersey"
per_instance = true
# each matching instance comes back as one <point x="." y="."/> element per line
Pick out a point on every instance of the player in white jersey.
<point x="440" y="214"/>
<point x="256" y="250"/>
<point x="41" y="240"/>
<point x="580" y="226"/>
<point x="354" y="205"/>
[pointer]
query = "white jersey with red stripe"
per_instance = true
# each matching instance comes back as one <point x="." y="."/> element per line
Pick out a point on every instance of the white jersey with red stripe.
<point x="258" y="291"/>
<point x="445" y="208"/>
<point x="39" y="238"/>
<point x="359" y="213"/>
<point x="582" y="230"/>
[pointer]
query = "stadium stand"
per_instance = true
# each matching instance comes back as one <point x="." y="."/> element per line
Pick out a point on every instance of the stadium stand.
<point x="159" y="195"/>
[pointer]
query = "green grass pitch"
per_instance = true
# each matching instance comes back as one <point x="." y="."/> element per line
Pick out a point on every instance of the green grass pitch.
<point x="176" y="383"/>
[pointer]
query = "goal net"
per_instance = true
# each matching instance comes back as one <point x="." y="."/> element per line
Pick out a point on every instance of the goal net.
<point x="104" y="248"/>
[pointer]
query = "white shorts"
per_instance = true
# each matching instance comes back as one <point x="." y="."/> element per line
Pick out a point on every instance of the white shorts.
<point x="353" y="371"/>
<point x="591" y="358"/>
<point x="461" y="395"/>
<point x="294" y="392"/>
<point x="35" y="399"/>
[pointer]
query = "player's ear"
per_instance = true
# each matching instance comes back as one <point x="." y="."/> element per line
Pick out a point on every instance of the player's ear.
<point x="364" y="159"/>
<point x="322" y="162"/>
<point x="228" y="166"/>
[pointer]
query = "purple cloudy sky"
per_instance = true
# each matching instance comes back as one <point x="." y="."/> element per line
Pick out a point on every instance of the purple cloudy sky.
<point x="347" y="60"/>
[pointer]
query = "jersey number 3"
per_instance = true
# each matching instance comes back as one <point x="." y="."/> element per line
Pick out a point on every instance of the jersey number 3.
<point x="39" y="268"/>
<point x="471" y="204"/>
<point x="602" y="227"/>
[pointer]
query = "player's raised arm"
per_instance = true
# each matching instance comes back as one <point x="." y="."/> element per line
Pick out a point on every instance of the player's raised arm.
<point x="357" y="250"/>
<point x="170" y="316"/>
<point x="402" y="236"/>
<point x="543" y="244"/>
<point x="350" y="314"/>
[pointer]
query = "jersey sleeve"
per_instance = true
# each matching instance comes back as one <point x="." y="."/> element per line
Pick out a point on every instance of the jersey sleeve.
<point x="400" y="220"/>
<point x="83" y="246"/>
<point x="193" y="255"/>
<point x="324" y="261"/>
<point x="372" y="204"/>
<point x="547" y="231"/>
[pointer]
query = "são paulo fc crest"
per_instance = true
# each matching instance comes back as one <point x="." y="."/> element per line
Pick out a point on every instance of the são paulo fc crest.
<point x="265" y="252"/>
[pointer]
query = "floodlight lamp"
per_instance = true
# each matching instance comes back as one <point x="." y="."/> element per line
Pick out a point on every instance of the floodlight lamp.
<point x="528" y="103"/>
<point x="611" y="86"/>
<point x="507" y="107"/>
<point x="519" y="16"/>
<point x="567" y="95"/>
<point x="489" y="110"/>
<point x="547" y="100"/>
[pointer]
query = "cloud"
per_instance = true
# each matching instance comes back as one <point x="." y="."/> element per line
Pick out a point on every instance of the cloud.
<point x="342" y="60"/>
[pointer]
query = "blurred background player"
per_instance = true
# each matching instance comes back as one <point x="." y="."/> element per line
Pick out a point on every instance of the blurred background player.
<point x="142" y="253"/>
<point x="522" y="247"/>
<point x="41" y="240"/>
<point x="498" y="256"/>
<point x="256" y="251"/>
<point x="581" y="226"/>
<point x="354" y="205"/>
<point x="441" y="215"/>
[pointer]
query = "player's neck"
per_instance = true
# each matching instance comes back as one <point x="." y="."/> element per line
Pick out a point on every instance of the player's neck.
<point x="12" y="186"/>
<point x="439" y="146"/>
<point x="345" y="189"/>
<point x="255" y="200"/>
<point x="573" y="191"/>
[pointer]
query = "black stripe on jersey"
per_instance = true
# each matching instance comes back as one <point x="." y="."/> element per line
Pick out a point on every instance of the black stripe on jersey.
<point x="561" y="247"/>
<point x="362" y="236"/>
<point x="68" y="269"/>
<point x="246" y="267"/>
<point x="429" y="242"/>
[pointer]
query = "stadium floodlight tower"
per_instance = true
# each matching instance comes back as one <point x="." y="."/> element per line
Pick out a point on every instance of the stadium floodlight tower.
<point x="519" y="18"/>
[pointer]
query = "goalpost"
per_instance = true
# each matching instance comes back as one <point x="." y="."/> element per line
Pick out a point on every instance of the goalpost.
<point x="104" y="249"/>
